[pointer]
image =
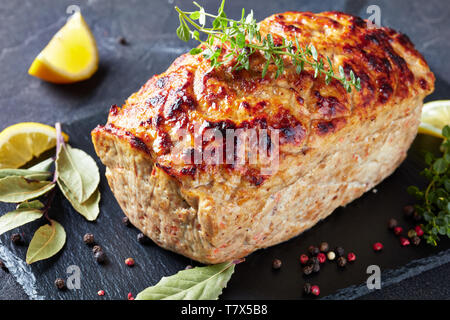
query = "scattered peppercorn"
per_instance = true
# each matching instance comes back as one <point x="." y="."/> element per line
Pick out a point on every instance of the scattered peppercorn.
<point x="100" y="257"/>
<point x="341" y="261"/>
<point x="126" y="221"/>
<point x="377" y="246"/>
<point x="307" y="288"/>
<point x="304" y="259"/>
<point x="313" y="250"/>
<point x="122" y="41"/>
<point x="96" y="249"/>
<point x="416" y="240"/>
<point x="16" y="239"/>
<point x="101" y="292"/>
<point x="340" y="251"/>
<point x="398" y="231"/>
<point x="314" y="260"/>
<point x="404" y="242"/>
<point x="351" y="257"/>
<point x="321" y="257"/>
<point x="331" y="255"/>
<point x="324" y="247"/>
<point x="412" y="233"/>
<point x="419" y="231"/>
<point x="88" y="238"/>
<point x="60" y="284"/>
<point x="307" y="270"/>
<point x="392" y="223"/>
<point x="316" y="267"/>
<point x="129" y="262"/>
<point x="276" y="264"/>
<point x="130" y="296"/>
<point x="315" y="290"/>
<point x="188" y="267"/>
<point x="408" y="210"/>
<point x="142" y="238"/>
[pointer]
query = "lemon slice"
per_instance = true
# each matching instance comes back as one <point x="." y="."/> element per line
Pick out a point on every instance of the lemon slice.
<point x="70" y="56"/>
<point x="21" y="142"/>
<point x="435" y="115"/>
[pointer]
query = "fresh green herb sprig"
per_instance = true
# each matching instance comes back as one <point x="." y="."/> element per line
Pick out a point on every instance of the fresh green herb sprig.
<point x="243" y="38"/>
<point x="77" y="176"/>
<point x="434" y="201"/>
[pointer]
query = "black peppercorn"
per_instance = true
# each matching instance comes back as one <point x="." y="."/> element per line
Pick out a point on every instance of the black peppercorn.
<point x="313" y="250"/>
<point x="126" y="221"/>
<point x="88" y="238"/>
<point x="122" y="41"/>
<point x="60" y="284"/>
<point x="316" y="267"/>
<point x="16" y="239"/>
<point x="417" y="217"/>
<point x="308" y="270"/>
<point x="96" y="249"/>
<point x="408" y="210"/>
<point x="307" y="288"/>
<point x="416" y="240"/>
<point x="100" y="256"/>
<point x="392" y="223"/>
<point x="314" y="260"/>
<point x="341" y="261"/>
<point x="340" y="251"/>
<point x="324" y="247"/>
<point x="276" y="264"/>
<point x="142" y="238"/>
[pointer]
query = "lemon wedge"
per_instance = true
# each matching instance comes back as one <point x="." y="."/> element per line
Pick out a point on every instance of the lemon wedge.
<point x="435" y="115"/>
<point x="70" y="56"/>
<point x="21" y="142"/>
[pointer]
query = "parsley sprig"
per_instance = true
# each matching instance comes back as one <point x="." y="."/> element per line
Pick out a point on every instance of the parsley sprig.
<point x="242" y="38"/>
<point x="434" y="201"/>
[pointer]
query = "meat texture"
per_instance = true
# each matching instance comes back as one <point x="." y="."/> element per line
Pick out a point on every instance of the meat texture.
<point x="332" y="145"/>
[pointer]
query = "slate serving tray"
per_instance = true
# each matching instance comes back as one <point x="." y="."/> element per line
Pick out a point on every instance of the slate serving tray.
<point x="355" y="227"/>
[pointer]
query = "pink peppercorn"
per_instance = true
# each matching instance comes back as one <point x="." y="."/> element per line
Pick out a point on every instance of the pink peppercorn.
<point x="404" y="242"/>
<point x="398" y="231"/>
<point x="321" y="257"/>
<point x="130" y="296"/>
<point x="101" y="292"/>
<point x="351" y="257"/>
<point x="377" y="246"/>
<point x="304" y="259"/>
<point x="419" y="231"/>
<point x="129" y="262"/>
<point x="315" y="290"/>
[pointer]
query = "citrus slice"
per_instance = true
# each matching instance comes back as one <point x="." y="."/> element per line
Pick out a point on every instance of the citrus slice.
<point x="435" y="115"/>
<point x="70" y="56"/>
<point x="21" y="142"/>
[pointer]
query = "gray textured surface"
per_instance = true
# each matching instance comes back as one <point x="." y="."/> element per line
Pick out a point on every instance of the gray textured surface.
<point x="148" y="26"/>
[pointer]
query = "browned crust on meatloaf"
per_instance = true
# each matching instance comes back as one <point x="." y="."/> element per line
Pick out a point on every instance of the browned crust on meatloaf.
<point x="334" y="145"/>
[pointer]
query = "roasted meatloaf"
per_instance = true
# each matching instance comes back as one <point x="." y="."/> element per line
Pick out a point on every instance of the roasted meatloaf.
<point x="332" y="145"/>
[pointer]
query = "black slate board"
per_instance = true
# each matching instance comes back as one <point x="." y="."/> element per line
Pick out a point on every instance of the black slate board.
<point x="149" y="27"/>
<point x="355" y="227"/>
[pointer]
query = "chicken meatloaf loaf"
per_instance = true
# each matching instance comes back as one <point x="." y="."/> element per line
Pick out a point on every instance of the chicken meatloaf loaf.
<point x="332" y="145"/>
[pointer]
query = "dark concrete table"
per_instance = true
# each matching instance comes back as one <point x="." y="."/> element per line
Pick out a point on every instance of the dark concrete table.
<point x="149" y="28"/>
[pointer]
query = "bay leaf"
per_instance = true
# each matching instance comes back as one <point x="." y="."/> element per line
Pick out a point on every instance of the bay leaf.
<point x="200" y="283"/>
<point x="78" y="171"/>
<point x="17" y="218"/>
<point x="26" y="173"/>
<point x="46" y="242"/>
<point x="42" y="166"/>
<point x="88" y="209"/>
<point x="18" y="189"/>
<point x="34" y="204"/>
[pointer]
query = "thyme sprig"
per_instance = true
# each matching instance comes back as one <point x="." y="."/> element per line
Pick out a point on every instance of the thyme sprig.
<point x="434" y="200"/>
<point x="242" y="38"/>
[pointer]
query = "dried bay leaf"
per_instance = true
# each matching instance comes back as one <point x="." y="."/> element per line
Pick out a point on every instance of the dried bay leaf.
<point x="17" y="218"/>
<point x="78" y="171"/>
<point x="26" y="173"/>
<point x="200" y="283"/>
<point x="88" y="209"/>
<point x="17" y="189"/>
<point x="46" y="242"/>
